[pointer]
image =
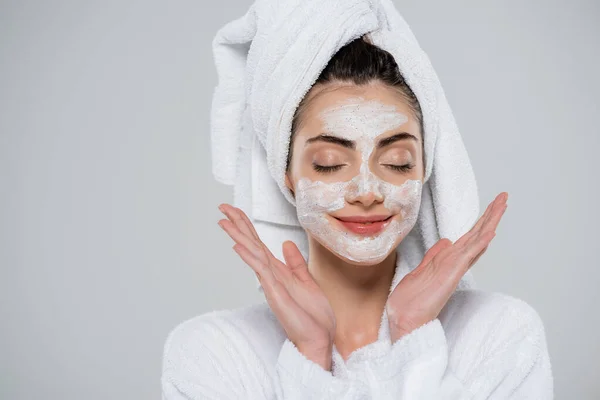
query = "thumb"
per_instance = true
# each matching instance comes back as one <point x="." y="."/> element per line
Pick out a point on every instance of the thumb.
<point x="295" y="261"/>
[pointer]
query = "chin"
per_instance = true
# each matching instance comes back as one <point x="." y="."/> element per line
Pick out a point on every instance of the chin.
<point x="364" y="263"/>
<point x="354" y="248"/>
<point x="364" y="259"/>
<point x="360" y="256"/>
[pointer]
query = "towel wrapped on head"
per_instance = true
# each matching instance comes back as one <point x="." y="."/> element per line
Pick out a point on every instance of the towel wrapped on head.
<point x="268" y="59"/>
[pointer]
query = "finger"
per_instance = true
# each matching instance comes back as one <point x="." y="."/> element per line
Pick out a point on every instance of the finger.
<point x="239" y="237"/>
<point x="457" y="259"/>
<point x="258" y="250"/>
<point x="281" y="271"/>
<point x="245" y="225"/>
<point x="499" y="200"/>
<point x="242" y="231"/>
<point x="278" y="297"/>
<point x="478" y="256"/>
<point x="465" y="258"/>
<point x="494" y="219"/>
<point x="296" y="262"/>
<point x="250" y="224"/>
<point x="499" y="206"/>
<point x="262" y="270"/>
<point x="490" y="225"/>
<point x="476" y="245"/>
<point x="235" y="215"/>
<point x="502" y="197"/>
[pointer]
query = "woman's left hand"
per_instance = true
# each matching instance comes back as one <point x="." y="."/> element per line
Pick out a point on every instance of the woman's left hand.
<point x="420" y="296"/>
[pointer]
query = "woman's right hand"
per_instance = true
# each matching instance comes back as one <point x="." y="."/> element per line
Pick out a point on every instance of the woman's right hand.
<point x="295" y="298"/>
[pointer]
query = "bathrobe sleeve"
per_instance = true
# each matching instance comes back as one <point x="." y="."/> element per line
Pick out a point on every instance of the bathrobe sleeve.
<point x="213" y="360"/>
<point x="501" y="357"/>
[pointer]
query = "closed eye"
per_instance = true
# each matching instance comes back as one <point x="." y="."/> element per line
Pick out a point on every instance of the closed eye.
<point x="400" y="168"/>
<point x="332" y="168"/>
<point x="327" y="169"/>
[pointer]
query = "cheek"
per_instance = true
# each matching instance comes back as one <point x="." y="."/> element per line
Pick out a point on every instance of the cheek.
<point x="319" y="197"/>
<point x="404" y="199"/>
<point x="396" y="178"/>
<point x="302" y="168"/>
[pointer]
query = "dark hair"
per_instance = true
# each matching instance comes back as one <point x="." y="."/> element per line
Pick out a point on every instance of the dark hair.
<point x="360" y="62"/>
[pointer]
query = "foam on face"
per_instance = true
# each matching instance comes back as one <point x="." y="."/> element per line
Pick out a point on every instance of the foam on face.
<point x="361" y="121"/>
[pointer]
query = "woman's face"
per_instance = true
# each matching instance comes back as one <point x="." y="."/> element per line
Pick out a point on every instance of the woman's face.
<point x="356" y="170"/>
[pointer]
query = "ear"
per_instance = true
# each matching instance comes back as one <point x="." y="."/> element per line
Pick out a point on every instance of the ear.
<point x="288" y="183"/>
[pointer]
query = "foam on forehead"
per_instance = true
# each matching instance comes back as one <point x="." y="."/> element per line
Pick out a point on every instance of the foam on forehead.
<point x="356" y="118"/>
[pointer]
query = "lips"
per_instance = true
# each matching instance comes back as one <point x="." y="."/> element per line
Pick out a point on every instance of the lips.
<point x="365" y="225"/>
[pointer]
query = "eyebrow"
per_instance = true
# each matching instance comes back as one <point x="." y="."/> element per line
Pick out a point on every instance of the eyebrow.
<point x="350" y="144"/>
<point x="397" y="137"/>
<point x="323" y="137"/>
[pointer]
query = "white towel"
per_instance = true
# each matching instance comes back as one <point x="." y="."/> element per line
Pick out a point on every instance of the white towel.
<point x="268" y="59"/>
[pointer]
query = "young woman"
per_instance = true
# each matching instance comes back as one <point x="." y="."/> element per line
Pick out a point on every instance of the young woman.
<point x="354" y="321"/>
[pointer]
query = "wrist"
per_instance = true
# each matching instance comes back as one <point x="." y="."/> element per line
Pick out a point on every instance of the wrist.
<point x="321" y="356"/>
<point x="397" y="331"/>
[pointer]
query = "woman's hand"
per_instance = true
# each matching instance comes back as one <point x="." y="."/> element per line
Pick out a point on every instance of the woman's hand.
<point x="293" y="295"/>
<point x="423" y="292"/>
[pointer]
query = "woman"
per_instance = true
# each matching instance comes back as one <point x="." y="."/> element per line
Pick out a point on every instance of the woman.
<point x="361" y="320"/>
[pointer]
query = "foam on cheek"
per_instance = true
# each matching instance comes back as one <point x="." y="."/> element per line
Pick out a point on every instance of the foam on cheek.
<point x="361" y="121"/>
<point x="316" y="200"/>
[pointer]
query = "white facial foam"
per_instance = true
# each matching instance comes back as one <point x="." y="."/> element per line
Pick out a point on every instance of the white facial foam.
<point x="361" y="121"/>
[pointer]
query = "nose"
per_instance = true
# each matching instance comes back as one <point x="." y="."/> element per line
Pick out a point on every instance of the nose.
<point x="368" y="198"/>
<point x="365" y="190"/>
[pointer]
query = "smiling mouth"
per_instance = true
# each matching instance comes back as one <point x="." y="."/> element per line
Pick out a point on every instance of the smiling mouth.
<point x="365" y="219"/>
<point x="364" y="225"/>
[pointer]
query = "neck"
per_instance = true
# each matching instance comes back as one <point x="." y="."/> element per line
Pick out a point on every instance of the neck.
<point x="357" y="293"/>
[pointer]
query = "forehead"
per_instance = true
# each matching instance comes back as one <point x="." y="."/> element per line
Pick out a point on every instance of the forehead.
<point x="353" y="106"/>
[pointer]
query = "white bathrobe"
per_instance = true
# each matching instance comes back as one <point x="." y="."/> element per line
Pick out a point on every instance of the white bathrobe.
<point x="483" y="345"/>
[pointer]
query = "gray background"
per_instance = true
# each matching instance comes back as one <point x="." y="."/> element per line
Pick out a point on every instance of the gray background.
<point x="108" y="234"/>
